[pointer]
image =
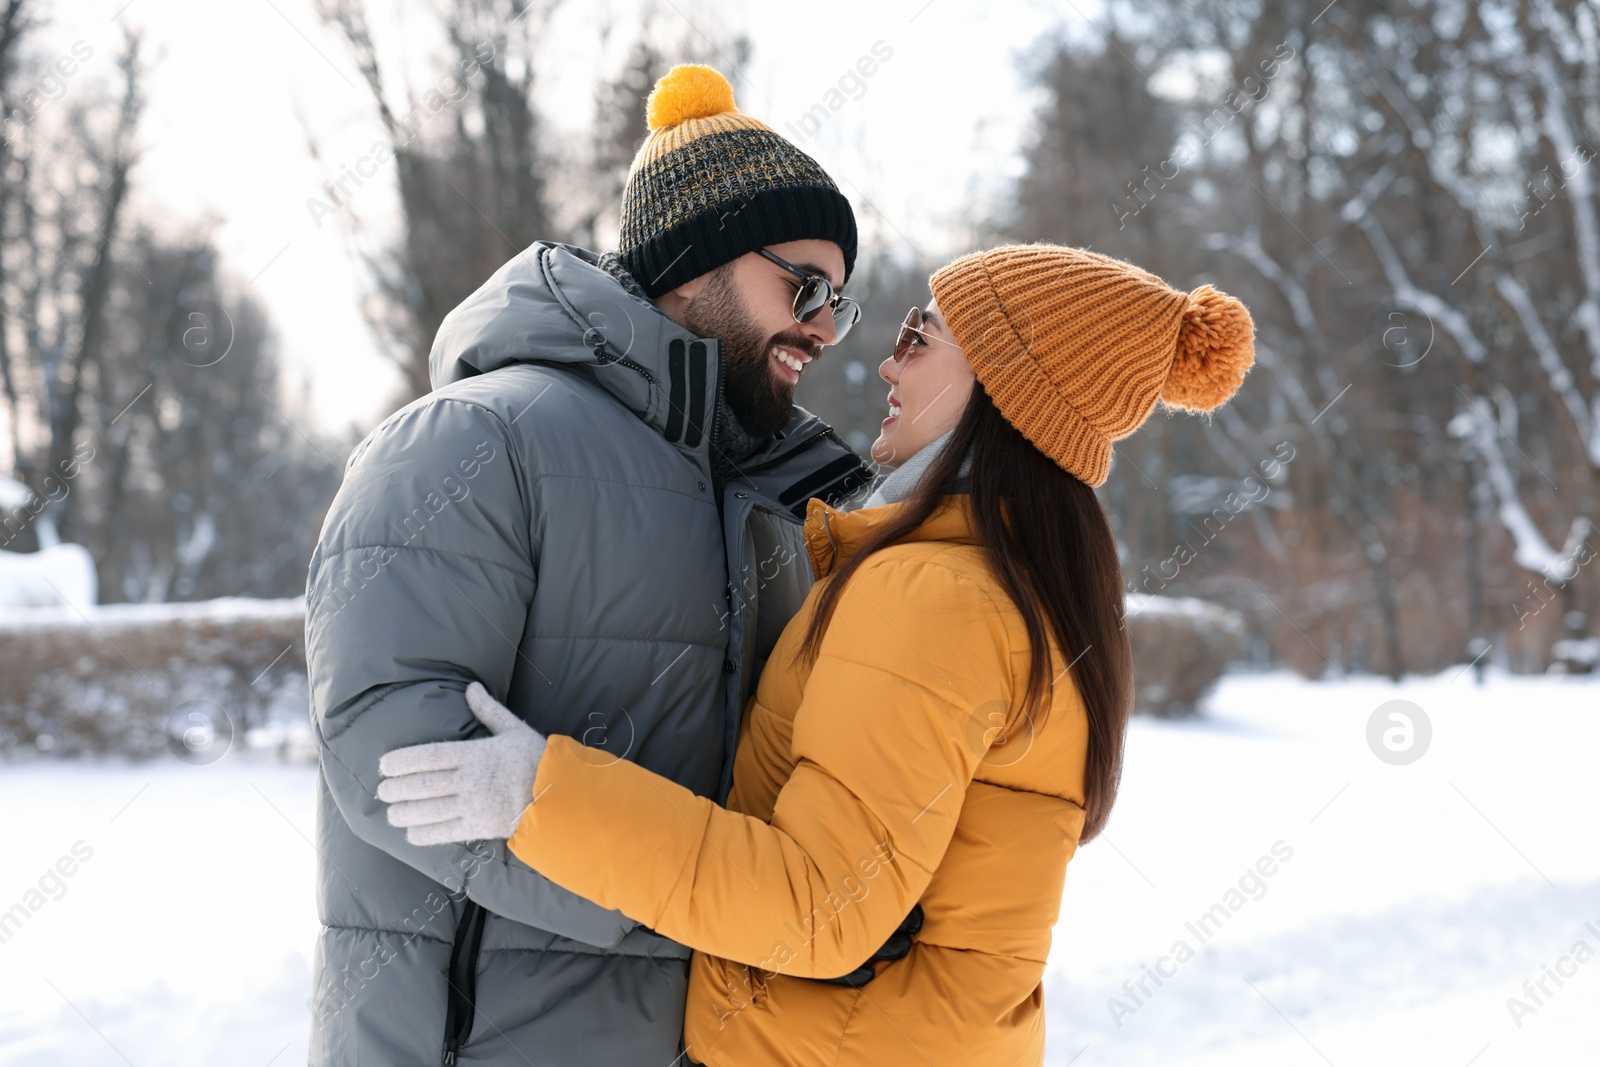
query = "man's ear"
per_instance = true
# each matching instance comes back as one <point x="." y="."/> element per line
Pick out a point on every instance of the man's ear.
<point x="673" y="302"/>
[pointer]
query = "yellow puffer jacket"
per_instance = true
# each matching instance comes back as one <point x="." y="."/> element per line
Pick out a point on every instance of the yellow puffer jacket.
<point x="883" y="776"/>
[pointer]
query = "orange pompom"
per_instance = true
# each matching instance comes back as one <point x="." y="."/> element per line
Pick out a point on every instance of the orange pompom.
<point x="688" y="91"/>
<point x="1216" y="348"/>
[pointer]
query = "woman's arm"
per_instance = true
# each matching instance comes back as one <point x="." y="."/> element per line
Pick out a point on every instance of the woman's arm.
<point x="915" y="655"/>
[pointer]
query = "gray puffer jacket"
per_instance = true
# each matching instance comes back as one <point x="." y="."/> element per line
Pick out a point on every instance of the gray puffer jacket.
<point x="545" y="521"/>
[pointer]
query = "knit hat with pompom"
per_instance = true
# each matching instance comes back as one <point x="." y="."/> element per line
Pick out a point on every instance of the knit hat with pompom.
<point x="710" y="184"/>
<point x="1075" y="348"/>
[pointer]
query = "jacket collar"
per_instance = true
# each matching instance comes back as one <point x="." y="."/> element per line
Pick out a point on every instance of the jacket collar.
<point x="833" y="536"/>
<point x="669" y="377"/>
<point x="553" y="303"/>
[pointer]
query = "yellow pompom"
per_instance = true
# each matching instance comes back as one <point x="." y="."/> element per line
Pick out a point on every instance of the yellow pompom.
<point x="688" y="91"/>
<point x="1216" y="347"/>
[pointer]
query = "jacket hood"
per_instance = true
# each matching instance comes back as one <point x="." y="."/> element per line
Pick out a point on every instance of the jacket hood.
<point x="554" y="304"/>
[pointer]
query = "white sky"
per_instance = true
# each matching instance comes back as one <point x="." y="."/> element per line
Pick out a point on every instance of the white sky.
<point x="237" y="85"/>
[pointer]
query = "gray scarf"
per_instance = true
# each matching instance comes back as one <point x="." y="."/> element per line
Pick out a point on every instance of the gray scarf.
<point x="902" y="483"/>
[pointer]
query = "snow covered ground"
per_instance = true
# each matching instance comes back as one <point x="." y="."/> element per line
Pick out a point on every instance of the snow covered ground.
<point x="1417" y="899"/>
<point x="1404" y="904"/>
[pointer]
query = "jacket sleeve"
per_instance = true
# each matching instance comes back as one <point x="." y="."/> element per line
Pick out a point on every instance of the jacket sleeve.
<point x="420" y="584"/>
<point x="888" y="736"/>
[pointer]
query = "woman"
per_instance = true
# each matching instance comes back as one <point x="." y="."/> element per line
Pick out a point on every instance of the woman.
<point x="942" y="723"/>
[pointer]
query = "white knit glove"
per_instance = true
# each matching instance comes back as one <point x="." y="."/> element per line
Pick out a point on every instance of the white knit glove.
<point x="452" y="791"/>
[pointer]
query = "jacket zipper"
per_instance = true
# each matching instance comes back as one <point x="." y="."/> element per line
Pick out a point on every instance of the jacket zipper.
<point x="711" y="437"/>
<point x="605" y="360"/>
<point x="787" y="452"/>
<point x="462" y="978"/>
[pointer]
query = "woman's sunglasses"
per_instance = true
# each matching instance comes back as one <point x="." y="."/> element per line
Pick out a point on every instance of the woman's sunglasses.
<point x="816" y="293"/>
<point x="910" y="335"/>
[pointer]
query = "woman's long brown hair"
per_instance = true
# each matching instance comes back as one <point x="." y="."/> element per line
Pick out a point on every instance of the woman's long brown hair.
<point x="1057" y="560"/>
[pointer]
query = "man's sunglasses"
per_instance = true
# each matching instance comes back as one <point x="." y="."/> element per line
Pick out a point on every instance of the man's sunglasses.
<point x="816" y="293"/>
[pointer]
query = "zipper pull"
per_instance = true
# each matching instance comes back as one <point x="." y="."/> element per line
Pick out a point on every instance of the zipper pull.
<point x="597" y="343"/>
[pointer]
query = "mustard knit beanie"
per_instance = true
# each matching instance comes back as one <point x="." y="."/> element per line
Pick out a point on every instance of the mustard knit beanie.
<point x="710" y="184"/>
<point x="1075" y="347"/>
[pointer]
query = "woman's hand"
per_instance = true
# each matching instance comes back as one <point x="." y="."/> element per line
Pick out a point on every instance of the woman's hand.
<point x="457" y="791"/>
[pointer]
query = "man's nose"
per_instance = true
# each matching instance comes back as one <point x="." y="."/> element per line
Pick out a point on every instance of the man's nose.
<point x="821" y="328"/>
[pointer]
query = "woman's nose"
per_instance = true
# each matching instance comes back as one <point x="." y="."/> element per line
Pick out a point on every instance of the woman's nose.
<point x="889" y="370"/>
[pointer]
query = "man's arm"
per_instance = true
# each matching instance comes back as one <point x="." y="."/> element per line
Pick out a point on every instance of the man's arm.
<point x="419" y="586"/>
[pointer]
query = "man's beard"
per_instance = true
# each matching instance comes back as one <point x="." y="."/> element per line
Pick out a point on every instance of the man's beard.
<point x="761" y="401"/>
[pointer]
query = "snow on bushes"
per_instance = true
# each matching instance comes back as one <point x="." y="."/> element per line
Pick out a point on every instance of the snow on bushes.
<point x="200" y="679"/>
<point x="195" y="679"/>
<point x="1181" y="646"/>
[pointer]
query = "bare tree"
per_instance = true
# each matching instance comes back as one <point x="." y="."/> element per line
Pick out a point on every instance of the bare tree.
<point x="14" y="23"/>
<point x="1404" y="197"/>
<point x="66" y="228"/>
<point x="469" y="162"/>
<point x="140" y="386"/>
<point x="202" y="484"/>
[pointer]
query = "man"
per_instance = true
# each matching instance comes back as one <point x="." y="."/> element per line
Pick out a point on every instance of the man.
<point x="596" y="514"/>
